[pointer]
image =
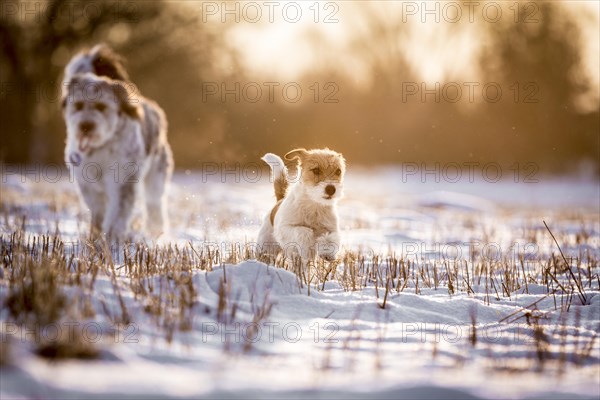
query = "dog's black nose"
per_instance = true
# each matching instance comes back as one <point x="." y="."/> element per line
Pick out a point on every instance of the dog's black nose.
<point x="330" y="190"/>
<point x="86" y="126"/>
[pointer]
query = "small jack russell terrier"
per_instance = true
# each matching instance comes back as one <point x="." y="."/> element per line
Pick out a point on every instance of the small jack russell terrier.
<point x="304" y="221"/>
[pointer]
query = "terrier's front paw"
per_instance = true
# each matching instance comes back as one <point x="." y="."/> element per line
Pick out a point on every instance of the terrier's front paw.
<point x="328" y="246"/>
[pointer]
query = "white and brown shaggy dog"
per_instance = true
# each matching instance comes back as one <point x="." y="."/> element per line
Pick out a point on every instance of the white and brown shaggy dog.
<point x="304" y="221"/>
<point x="116" y="145"/>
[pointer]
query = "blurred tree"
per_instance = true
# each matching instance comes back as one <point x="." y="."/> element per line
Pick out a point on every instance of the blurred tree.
<point x="534" y="64"/>
<point x="167" y="48"/>
<point x="538" y="57"/>
<point x="367" y="123"/>
<point x="171" y="54"/>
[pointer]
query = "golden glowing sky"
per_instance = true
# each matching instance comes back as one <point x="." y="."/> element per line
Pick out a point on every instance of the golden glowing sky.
<point x="436" y="51"/>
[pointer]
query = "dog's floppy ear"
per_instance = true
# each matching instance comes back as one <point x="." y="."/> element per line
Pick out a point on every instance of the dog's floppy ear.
<point x="128" y="101"/>
<point x="108" y="63"/>
<point x="296" y="153"/>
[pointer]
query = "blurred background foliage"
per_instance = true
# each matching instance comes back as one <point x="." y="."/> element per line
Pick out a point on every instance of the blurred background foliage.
<point x="174" y="53"/>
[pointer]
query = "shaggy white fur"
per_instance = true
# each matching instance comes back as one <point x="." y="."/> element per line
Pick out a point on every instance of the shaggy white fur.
<point x="116" y="147"/>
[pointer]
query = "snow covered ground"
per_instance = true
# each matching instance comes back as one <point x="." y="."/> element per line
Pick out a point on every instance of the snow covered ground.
<point x="247" y="330"/>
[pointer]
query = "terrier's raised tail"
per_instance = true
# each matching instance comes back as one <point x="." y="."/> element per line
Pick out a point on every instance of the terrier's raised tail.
<point x="279" y="174"/>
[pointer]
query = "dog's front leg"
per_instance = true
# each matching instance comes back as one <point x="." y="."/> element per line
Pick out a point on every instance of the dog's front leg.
<point x="328" y="245"/>
<point x="155" y="182"/>
<point x="95" y="202"/>
<point x="121" y="199"/>
<point x="296" y="241"/>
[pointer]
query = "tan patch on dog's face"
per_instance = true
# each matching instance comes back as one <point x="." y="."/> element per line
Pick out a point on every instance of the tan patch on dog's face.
<point x="322" y="166"/>
<point x="321" y="172"/>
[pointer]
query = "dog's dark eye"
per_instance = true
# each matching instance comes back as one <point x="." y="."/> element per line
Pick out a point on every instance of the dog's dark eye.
<point x="338" y="172"/>
<point x="79" y="105"/>
<point x="316" y="171"/>
<point x="100" y="107"/>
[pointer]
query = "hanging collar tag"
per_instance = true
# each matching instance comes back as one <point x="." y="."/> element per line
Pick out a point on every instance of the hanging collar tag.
<point x="75" y="158"/>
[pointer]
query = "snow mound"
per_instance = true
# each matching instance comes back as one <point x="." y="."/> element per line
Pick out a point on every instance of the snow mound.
<point x="253" y="280"/>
